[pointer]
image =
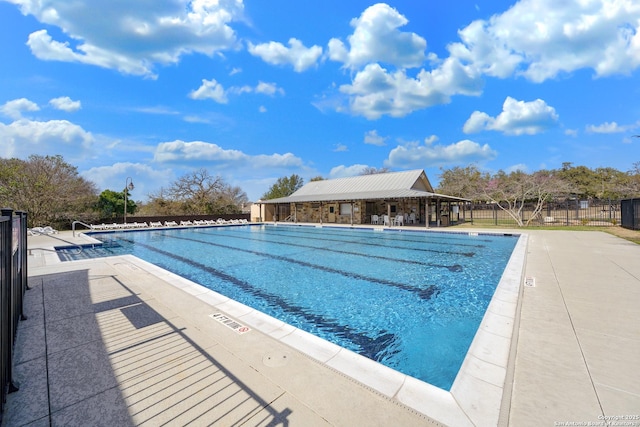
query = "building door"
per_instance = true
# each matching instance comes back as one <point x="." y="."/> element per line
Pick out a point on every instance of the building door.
<point x="331" y="216"/>
<point x="369" y="210"/>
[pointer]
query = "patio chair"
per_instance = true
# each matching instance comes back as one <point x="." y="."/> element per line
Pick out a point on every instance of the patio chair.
<point x="374" y="219"/>
<point x="398" y="220"/>
<point x="385" y="220"/>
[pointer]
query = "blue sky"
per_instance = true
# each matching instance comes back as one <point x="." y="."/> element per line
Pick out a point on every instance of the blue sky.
<point x="255" y="90"/>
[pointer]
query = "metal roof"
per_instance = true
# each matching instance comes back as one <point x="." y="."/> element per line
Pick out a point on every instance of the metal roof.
<point x="391" y="185"/>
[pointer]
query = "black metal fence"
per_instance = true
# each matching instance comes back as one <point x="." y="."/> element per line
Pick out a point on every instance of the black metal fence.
<point x="13" y="284"/>
<point x="630" y="213"/>
<point x="594" y="213"/>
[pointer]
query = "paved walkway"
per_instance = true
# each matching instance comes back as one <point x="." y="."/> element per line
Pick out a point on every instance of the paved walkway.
<point x="108" y="343"/>
<point x="578" y="350"/>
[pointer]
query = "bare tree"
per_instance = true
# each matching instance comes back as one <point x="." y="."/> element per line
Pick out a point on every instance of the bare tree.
<point x="510" y="192"/>
<point x="370" y="170"/>
<point x="197" y="193"/>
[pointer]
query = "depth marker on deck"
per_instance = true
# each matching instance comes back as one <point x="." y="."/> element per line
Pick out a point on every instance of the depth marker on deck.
<point x="530" y="282"/>
<point x="229" y="322"/>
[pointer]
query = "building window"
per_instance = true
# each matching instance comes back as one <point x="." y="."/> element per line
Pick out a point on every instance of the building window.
<point x="345" y="208"/>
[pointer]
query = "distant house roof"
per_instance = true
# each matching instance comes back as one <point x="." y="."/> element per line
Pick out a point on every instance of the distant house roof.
<point x="391" y="185"/>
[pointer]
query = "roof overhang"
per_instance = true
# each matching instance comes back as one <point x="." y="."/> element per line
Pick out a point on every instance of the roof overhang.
<point x="369" y="195"/>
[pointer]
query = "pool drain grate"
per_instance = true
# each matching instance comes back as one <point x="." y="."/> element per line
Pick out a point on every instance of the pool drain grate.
<point x="230" y="323"/>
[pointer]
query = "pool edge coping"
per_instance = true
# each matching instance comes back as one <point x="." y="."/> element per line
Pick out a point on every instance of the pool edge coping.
<point x="477" y="395"/>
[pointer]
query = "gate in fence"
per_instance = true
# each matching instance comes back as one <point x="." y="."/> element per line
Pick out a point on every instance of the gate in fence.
<point x="13" y="284"/>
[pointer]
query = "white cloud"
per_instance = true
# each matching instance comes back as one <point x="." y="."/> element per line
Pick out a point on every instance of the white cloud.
<point x="145" y="178"/>
<point x="199" y="151"/>
<point x="210" y="89"/>
<point x="297" y="55"/>
<point x="611" y="127"/>
<point x="516" y="118"/>
<point x="372" y="137"/>
<point x="343" y="171"/>
<point x="14" y="108"/>
<point x="430" y="139"/>
<point x="520" y="167"/>
<point x="196" y="119"/>
<point x="340" y="148"/>
<point x="376" y="38"/>
<point x="268" y="89"/>
<point x="571" y="132"/>
<point x="158" y="109"/>
<point x="375" y="92"/>
<point x="262" y="109"/>
<point x="65" y="103"/>
<point x="24" y="137"/>
<point x="415" y="155"/>
<point x="543" y="38"/>
<point x="131" y="36"/>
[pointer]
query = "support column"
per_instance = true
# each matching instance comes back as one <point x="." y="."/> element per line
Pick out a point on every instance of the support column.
<point x="352" y="213"/>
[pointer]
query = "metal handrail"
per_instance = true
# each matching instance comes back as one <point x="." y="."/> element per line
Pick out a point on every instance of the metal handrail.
<point x="73" y="226"/>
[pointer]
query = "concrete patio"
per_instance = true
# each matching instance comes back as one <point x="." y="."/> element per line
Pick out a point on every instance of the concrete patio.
<point x="107" y="342"/>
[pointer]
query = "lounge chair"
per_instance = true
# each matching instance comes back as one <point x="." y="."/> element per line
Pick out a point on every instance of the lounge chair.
<point x="170" y="224"/>
<point x="186" y="223"/>
<point x="155" y="224"/>
<point x="43" y="230"/>
<point x="221" y="221"/>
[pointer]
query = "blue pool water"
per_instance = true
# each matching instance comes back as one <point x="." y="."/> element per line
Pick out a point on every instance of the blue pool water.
<point x="409" y="300"/>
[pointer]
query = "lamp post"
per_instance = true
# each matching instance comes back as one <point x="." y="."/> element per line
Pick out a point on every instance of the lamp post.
<point x="127" y="186"/>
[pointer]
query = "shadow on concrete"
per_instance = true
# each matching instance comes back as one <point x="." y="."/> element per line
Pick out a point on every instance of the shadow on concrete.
<point x="93" y="353"/>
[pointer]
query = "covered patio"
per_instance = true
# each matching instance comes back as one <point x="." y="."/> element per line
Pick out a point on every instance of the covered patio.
<point x="387" y="199"/>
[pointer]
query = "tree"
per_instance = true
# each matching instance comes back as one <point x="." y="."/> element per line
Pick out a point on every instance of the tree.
<point x="510" y="192"/>
<point x="283" y="187"/>
<point x="467" y="182"/>
<point x="633" y="189"/>
<point x="230" y="200"/>
<point x="317" y="178"/>
<point x="197" y="193"/>
<point x="111" y="203"/>
<point x="48" y="188"/>
<point x="370" y="170"/>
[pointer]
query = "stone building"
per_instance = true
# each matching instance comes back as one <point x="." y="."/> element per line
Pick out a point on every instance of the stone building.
<point x="394" y="198"/>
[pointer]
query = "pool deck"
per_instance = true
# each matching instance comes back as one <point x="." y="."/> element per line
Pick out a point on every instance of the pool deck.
<point x="115" y="342"/>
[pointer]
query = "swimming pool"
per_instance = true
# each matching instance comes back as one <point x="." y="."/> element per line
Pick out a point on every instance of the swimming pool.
<point x="409" y="300"/>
